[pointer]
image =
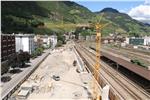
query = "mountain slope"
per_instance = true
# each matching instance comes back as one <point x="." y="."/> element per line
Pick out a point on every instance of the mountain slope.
<point x="35" y="16"/>
<point x="124" y="22"/>
<point x="26" y="16"/>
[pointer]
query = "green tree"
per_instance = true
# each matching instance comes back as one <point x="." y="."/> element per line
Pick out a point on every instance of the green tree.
<point x="27" y="56"/>
<point x="12" y="61"/>
<point x="39" y="51"/>
<point x="21" y="58"/>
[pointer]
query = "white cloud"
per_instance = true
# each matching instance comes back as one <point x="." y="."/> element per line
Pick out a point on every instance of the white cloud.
<point x="141" y="12"/>
<point x="147" y="2"/>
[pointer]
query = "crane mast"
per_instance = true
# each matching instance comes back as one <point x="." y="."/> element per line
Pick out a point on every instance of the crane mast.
<point x="97" y="65"/>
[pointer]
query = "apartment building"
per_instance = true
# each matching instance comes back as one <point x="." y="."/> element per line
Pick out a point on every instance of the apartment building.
<point x="25" y="42"/>
<point x="7" y="46"/>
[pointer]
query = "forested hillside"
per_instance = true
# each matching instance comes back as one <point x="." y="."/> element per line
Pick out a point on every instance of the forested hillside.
<point x="34" y="16"/>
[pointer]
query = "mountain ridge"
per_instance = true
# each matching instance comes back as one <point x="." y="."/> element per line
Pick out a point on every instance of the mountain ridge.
<point x="125" y="22"/>
<point x="109" y="9"/>
<point x="27" y="16"/>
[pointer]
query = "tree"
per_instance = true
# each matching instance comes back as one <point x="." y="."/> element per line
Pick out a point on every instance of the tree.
<point x="12" y="61"/>
<point x="120" y="30"/>
<point x="39" y="51"/>
<point x="21" y="58"/>
<point x="27" y="56"/>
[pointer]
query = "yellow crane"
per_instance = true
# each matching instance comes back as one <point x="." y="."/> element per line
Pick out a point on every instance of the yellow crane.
<point x="98" y="26"/>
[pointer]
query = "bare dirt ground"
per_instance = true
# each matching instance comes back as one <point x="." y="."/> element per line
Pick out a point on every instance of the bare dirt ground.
<point x="71" y="86"/>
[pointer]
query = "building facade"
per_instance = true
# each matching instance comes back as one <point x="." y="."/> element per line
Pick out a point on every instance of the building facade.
<point x="53" y="41"/>
<point x="7" y="46"/>
<point x="147" y="40"/>
<point x="25" y="42"/>
<point x="46" y="41"/>
<point x="42" y="40"/>
<point x="38" y="41"/>
<point x="138" y="41"/>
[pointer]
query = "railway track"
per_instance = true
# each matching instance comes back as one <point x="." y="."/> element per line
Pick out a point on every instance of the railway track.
<point x="130" y="54"/>
<point x="120" y="84"/>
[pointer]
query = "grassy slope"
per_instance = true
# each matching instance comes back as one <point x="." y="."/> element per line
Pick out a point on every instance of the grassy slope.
<point x="124" y="24"/>
<point x="19" y="16"/>
<point x="24" y="16"/>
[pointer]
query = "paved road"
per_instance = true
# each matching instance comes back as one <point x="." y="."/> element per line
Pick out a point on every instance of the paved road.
<point x="7" y="87"/>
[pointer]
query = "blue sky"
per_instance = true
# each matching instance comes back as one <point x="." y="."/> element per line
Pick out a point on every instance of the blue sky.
<point x="122" y="6"/>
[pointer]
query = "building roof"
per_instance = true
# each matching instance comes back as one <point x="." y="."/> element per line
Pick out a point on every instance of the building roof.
<point x="24" y="35"/>
<point x="23" y="93"/>
<point x="7" y="34"/>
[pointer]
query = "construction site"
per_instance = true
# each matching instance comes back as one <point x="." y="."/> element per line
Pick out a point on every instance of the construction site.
<point x="68" y="73"/>
<point x="80" y="64"/>
<point x="75" y="71"/>
<point x="57" y="77"/>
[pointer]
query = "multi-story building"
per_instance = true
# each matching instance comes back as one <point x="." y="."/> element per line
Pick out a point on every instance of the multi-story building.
<point x="42" y="40"/>
<point x="7" y="46"/>
<point x="147" y="40"/>
<point x="25" y="42"/>
<point x="46" y="41"/>
<point x="138" y="41"/>
<point x="38" y="41"/>
<point x="53" y="41"/>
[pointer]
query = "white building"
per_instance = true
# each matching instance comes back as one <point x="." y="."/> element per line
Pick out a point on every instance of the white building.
<point x="25" y="42"/>
<point x="53" y="40"/>
<point x="147" y="40"/>
<point x="46" y="41"/>
<point x="142" y="40"/>
<point x="127" y="40"/>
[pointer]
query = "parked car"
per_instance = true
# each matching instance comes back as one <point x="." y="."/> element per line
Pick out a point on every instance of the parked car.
<point x="74" y="63"/>
<point x="56" y="78"/>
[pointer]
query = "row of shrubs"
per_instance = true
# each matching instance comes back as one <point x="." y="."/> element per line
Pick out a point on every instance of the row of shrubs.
<point x="15" y="60"/>
<point x="137" y="62"/>
<point x="20" y="59"/>
<point x="37" y="52"/>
